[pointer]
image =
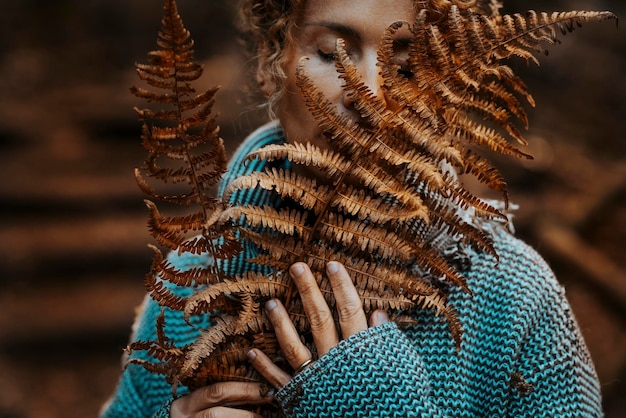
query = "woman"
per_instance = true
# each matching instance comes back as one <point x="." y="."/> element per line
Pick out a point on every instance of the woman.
<point x="522" y="353"/>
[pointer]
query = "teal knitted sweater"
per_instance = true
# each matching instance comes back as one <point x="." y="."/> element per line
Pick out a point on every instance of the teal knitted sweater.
<point x="522" y="353"/>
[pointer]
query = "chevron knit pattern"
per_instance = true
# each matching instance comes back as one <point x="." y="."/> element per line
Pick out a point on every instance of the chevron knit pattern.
<point x="522" y="353"/>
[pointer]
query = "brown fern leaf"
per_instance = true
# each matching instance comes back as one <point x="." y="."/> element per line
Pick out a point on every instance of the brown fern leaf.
<point x="379" y="117"/>
<point x="184" y="147"/>
<point x="485" y="173"/>
<point x="167" y="358"/>
<point x="285" y="221"/>
<point x="257" y="284"/>
<point x="156" y="288"/>
<point x="189" y="278"/>
<point x="218" y="333"/>
<point x="480" y="79"/>
<point x="365" y="205"/>
<point x="181" y="132"/>
<point x="282" y="253"/>
<point x="287" y="184"/>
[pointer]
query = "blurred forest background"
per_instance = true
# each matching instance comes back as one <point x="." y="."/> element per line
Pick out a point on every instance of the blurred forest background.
<point x="73" y="225"/>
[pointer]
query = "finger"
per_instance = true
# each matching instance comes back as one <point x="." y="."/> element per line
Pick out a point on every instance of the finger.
<point x="379" y="317"/>
<point x="271" y="372"/>
<point x="349" y="307"/>
<point x="223" y="412"/>
<point x="290" y="344"/>
<point x="219" y="394"/>
<point x="320" y="317"/>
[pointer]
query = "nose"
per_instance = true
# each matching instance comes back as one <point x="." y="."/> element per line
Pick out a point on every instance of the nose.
<point x="373" y="80"/>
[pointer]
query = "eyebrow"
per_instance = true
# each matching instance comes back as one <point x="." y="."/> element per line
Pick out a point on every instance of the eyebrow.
<point x="337" y="27"/>
<point x="351" y="32"/>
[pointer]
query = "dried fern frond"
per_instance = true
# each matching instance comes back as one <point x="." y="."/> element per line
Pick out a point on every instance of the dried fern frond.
<point x="388" y="184"/>
<point x="184" y="148"/>
<point x="182" y="135"/>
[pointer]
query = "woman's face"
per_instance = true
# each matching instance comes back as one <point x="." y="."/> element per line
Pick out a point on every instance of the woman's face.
<point x="361" y="23"/>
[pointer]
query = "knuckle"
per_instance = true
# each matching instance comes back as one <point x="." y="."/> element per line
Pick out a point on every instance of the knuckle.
<point x="215" y="393"/>
<point x="213" y="413"/>
<point x="349" y="311"/>
<point x="277" y="317"/>
<point x="320" y="319"/>
<point x="306" y="287"/>
<point x="291" y="350"/>
<point x="251" y="392"/>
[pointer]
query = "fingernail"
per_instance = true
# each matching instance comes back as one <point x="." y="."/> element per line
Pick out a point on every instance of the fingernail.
<point x="296" y="270"/>
<point x="332" y="267"/>
<point x="271" y="304"/>
<point x="251" y="355"/>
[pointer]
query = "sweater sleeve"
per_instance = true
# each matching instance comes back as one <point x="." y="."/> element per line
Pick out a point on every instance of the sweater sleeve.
<point x="555" y="376"/>
<point x="374" y="373"/>
<point x="140" y="393"/>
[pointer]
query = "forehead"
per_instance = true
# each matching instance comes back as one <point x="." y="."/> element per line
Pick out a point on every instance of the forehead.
<point x="366" y="17"/>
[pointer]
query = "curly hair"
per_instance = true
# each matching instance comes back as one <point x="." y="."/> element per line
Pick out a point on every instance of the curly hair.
<point x="267" y="28"/>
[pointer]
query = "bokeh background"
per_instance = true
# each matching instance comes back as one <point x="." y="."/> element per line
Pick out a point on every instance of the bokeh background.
<point x="73" y="226"/>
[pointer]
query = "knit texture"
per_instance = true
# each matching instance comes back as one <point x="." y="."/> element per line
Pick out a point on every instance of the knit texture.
<point x="522" y="354"/>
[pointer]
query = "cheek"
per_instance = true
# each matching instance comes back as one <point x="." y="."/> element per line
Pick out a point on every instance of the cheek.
<point x="327" y="80"/>
<point x="297" y="122"/>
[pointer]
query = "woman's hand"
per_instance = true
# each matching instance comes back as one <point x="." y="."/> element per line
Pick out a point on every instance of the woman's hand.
<point x="352" y="320"/>
<point x="216" y="401"/>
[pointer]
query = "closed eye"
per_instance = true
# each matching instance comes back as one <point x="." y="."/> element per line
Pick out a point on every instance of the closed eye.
<point x="325" y="56"/>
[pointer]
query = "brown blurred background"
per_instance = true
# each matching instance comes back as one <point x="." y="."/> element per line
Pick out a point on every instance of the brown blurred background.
<point x="73" y="226"/>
